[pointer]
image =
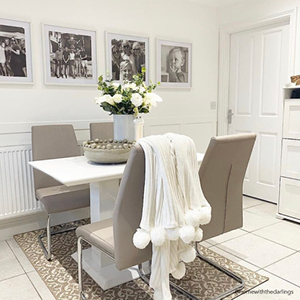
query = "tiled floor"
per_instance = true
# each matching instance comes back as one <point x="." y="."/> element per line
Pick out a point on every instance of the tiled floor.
<point x="265" y="244"/>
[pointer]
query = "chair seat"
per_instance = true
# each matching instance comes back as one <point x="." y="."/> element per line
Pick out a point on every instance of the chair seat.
<point x="61" y="198"/>
<point x="100" y="234"/>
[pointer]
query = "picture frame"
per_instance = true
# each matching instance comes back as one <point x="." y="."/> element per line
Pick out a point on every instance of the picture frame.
<point x="178" y="72"/>
<point x="70" y="56"/>
<point x="128" y="53"/>
<point x="15" y="52"/>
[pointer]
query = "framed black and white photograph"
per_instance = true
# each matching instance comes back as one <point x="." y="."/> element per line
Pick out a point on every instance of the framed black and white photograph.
<point x="15" y="52"/>
<point x="70" y="56"/>
<point x="126" y="56"/>
<point x="174" y="60"/>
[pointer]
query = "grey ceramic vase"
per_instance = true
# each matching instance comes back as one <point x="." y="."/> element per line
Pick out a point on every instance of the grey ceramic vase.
<point x="124" y="127"/>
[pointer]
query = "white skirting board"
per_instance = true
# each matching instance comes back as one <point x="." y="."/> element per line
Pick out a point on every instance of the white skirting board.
<point x="37" y="220"/>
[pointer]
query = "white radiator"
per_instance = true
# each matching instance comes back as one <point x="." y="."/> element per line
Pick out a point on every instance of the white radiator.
<point x="16" y="182"/>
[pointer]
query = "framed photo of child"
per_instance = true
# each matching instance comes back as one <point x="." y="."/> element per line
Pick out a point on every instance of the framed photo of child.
<point x="126" y="55"/>
<point x="15" y="52"/>
<point x="70" y="56"/>
<point x="174" y="64"/>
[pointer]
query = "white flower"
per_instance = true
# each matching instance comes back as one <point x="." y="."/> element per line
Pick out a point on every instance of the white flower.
<point x="105" y="98"/>
<point x="132" y="85"/>
<point x="117" y="98"/>
<point x="115" y="85"/>
<point x="136" y="99"/>
<point x="151" y="100"/>
<point x="126" y="86"/>
<point x="142" y="89"/>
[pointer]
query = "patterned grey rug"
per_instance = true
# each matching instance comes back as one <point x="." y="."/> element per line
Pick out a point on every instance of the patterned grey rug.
<point x="60" y="274"/>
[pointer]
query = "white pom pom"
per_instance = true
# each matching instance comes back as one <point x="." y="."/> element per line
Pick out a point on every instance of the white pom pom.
<point x="180" y="271"/>
<point x="187" y="234"/>
<point x="198" y="235"/>
<point x="192" y="217"/>
<point x="205" y="216"/>
<point x="173" y="234"/>
<point x="141" y="238"/>
<point x="188" y="255"/>
<point x="158" y="236"/>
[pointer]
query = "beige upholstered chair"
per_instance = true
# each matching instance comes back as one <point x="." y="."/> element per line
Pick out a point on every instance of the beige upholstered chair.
<point x="102" y="131"/>
<point x="48" y="142"/>
<point x="221" y="174"/>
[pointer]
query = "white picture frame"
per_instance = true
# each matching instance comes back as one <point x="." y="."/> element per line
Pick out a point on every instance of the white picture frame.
<point x="178" y="73"/>
<point x="70" y="56"/>
<point x="137" y="61"/>
<point x="15" y="52"/>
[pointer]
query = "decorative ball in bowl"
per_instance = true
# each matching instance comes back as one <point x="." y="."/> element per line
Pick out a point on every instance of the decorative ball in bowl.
<point x="107" y="151"/>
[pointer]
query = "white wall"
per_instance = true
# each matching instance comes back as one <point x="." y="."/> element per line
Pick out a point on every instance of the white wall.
<point x="170" y="19"/>
<point x="185" y="111"/>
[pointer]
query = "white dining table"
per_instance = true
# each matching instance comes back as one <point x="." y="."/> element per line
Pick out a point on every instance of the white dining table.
<point x="104" y="184"/>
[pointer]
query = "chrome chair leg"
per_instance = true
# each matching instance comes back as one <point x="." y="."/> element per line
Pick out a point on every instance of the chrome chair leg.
<point x="80" y="282"/>
<point x="189" y="295"/>
<point x="48" y="234"/>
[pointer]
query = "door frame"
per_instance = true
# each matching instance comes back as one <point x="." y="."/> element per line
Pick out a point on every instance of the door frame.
<point x="289" y="16"/>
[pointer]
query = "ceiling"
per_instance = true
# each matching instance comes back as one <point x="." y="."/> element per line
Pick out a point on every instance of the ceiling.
<point x="218" y="3"/>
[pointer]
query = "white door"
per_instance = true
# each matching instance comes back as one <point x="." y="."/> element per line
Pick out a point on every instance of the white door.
<point x="258" y="71"/>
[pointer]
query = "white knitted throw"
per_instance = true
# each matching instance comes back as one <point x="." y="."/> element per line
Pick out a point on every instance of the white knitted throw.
<point x="173" y="208"/>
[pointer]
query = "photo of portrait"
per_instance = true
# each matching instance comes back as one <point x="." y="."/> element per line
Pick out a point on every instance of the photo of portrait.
<point x="174" y="63"/>
<point x="15" y="52"/>
<point x="126" y="56"/>
<point x="70" y="56"/>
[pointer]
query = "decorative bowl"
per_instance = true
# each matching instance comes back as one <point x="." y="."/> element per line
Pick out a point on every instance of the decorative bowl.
<point x="107" y="151"/>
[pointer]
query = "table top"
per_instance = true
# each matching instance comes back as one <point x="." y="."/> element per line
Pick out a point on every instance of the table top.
<point x="77" y="170"/>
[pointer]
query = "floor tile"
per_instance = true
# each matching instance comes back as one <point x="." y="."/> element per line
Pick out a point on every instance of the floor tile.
<point x="226" y="236"/>
<point x="18" y="288"/>
<point x="249" y="202"/>
<point x="40" y="286"/>
<point x="274" y="285"/>
<point x="5" y="251"/>
<point x="265" y="209"/>
<point x="288" y="268"/>
<point x="253" y="222"/>
<point x="9" y="265"/>
<point x="285" y="233"/>
<point x="256" y="250"/>
<point x="23" y="260"/>
<point x="234" y="258"/>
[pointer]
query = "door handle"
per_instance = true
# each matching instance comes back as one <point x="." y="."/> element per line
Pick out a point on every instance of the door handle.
<point x="229" y="116"/>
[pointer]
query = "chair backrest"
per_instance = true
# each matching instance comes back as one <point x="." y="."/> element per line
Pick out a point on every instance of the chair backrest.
<point x="222" y="175"/>
<point x="102" y="131"/>
<point x="128" y="212"/>
<point x="51" y="141"/>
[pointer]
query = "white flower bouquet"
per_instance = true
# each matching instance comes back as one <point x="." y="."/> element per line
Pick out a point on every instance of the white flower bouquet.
<point x="130" y="98"/>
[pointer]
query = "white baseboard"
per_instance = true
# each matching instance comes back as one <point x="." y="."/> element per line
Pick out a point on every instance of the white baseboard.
<point x="10" y="226"/>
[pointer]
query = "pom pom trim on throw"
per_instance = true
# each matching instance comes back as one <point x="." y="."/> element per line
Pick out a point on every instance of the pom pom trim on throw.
<point x="187" y="234"/>
<point x="198" y="235"/>
<point x="193" y="217"/>
<point x="188" y="255"/>
<point x="141" y="238"/>
<point x="158" y="236"/>
<point x="180" y="271"/>
<point x="205" y="215"/>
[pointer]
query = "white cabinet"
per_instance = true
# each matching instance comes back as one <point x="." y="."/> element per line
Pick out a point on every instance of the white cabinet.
<point x="289" y="202"/>
<point x="289" y="196"/>
<point x="291" y="119"/>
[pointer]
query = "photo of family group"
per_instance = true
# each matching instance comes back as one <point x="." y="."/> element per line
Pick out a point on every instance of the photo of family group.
<point x="14" y="39"/>
<point x="69" y="55"/>
<point x="127" y="56"/>
<point x="174" y="65"/>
